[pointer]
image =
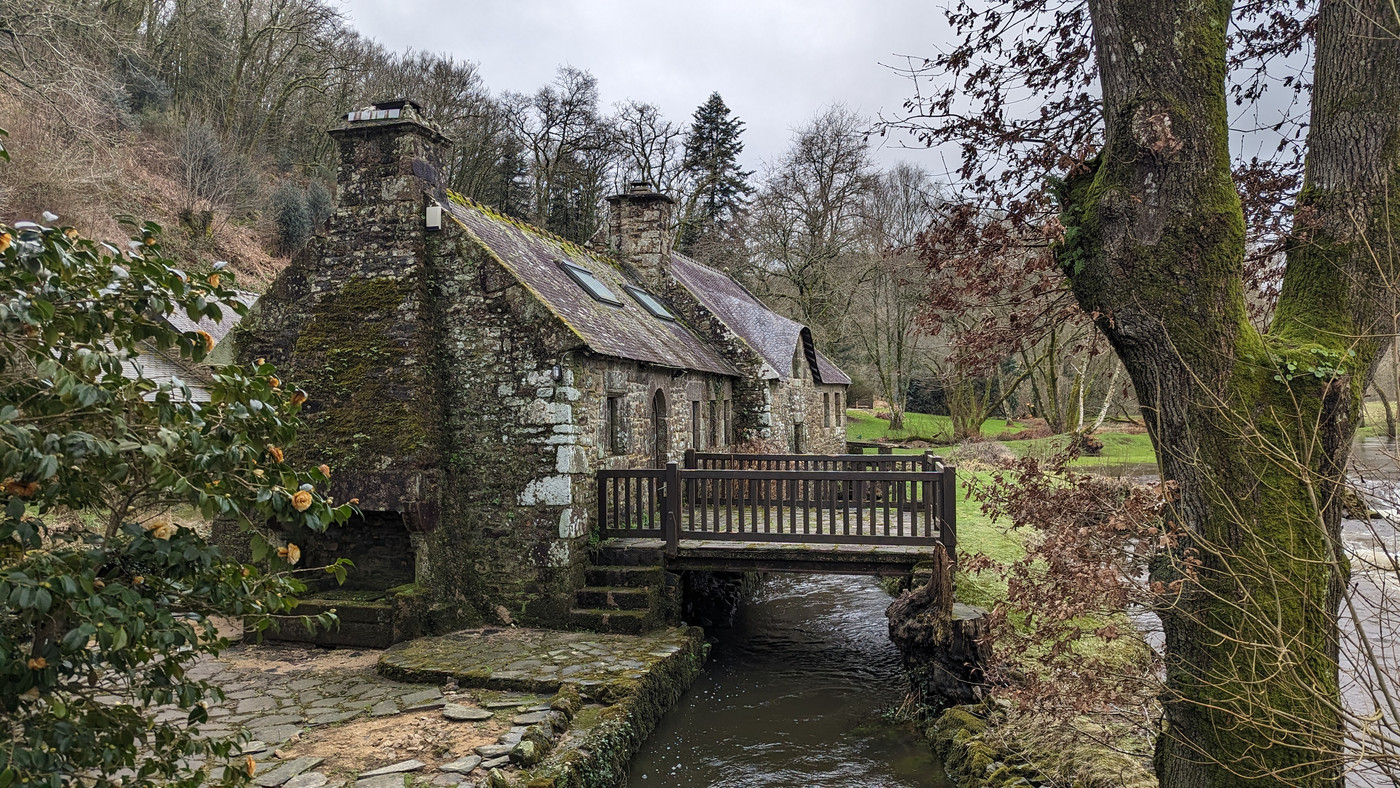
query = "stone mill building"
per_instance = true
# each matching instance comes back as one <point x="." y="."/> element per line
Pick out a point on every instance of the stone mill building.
<point x="469" y="373"/>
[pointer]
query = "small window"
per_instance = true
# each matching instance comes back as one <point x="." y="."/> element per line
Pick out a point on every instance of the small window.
<point x="617" y="436"/>
<point x="714" y="423"/>
<point x="728" y="425"/>
<point x="826" y="410"/>
<point x="840" y="411"/>
<point x="799" y="438"/>
<point x="590" y="283"/>
<point x="649" y="302"/>
<point x="695" y="424"/>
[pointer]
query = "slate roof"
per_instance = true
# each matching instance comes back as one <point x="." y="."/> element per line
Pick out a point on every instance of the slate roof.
<point x="160" y="367"/>
<point x="218" y="330"/>
<point x="626" y="331"/>
<point x="774" y="337"/>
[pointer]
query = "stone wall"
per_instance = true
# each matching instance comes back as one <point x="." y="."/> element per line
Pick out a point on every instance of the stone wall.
<point x="527" y="424"/>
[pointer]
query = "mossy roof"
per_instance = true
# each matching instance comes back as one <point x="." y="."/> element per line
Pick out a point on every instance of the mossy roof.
<point x="772" y="336"/>
<point x="626" y="330"/>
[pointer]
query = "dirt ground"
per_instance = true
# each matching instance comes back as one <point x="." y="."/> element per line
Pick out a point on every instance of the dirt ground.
<point x="363" y="744"/>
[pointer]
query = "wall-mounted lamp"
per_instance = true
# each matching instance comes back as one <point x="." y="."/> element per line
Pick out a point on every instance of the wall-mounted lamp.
<point x="432" y="218"/>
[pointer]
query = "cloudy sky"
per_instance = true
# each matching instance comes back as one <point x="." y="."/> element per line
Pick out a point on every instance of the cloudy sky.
<point x="776" y="62"/>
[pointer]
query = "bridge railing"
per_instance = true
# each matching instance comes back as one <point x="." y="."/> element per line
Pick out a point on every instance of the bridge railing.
<point x="815" y="500"/>
<point x="809" y="462"/>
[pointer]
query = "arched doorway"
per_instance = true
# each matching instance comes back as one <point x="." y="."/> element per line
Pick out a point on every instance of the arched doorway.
<point x="660" y="436"/>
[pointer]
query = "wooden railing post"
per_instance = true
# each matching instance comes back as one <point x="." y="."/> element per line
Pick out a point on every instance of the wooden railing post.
<point x="690" y="461"/>
<point x="671" y="509"/>
<point x="948" y="525"/>
<point x="603" y="524"/>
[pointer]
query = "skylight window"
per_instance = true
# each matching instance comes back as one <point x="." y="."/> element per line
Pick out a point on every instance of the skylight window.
<point x="590" y="283"/>
<point x="649" y="301"/>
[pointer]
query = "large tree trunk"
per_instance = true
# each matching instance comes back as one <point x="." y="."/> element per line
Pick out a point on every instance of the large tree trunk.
<point x="1253" y="429"/>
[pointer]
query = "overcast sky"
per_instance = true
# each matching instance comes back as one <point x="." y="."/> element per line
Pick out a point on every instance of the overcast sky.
<point x="776" y="62"/>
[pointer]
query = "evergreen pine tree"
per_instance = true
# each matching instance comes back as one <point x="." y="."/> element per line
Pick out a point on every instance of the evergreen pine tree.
<point x="720" y="187"/>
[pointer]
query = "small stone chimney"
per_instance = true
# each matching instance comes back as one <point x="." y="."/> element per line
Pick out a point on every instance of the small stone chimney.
<point x="640" y="233"/>
<point x="388" y="153"/>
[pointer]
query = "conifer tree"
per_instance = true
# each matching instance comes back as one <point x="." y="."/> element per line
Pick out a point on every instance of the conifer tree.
<point x="720" y="185"/>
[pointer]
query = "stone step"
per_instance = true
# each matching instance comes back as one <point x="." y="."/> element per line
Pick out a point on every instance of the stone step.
<point x="624" y="576"/>
<point x="613" y="598"/>
<point x="606" y="555"/>
<point x="618" y="622"/>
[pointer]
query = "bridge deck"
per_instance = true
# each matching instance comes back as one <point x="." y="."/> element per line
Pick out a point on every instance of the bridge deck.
<point x="728" y="555"/>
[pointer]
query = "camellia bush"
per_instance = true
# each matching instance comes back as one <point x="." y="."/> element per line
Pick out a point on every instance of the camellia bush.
<point x="107" y="598"/>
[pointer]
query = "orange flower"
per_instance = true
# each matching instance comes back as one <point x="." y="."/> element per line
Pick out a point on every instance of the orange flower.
<point x="160" y="529"/>
<point x="354" y="500"/>
<point x="275" y="452"/>
<point x="298" y="397"/>
<point x="71" y="234"/>
<point x="293" y="554"/>
<point x="21" y="489"/>
<point x="261" y="361"/>
<point x="325" y="470"/>
<point x="38" y="663"/>
<point x="4" y="241"/>
<point x="301" y="501"/>
<point x="274" y="382"/>
<point x="138" y="580"/>
<point x="249" y="765"/>
<point x="150" y="240"/>
<point x="208" y="341"/>
<point x="214" y="280"/>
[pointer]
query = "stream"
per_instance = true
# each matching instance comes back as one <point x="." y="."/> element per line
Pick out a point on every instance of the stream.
<point x="797" y="690"/>
<point x="795" y="693"/>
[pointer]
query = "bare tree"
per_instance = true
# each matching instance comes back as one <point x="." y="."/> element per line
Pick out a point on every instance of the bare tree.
<point x="649" y="148"/>
<point x="806" y="224"/>
<point x="890" y="292"/>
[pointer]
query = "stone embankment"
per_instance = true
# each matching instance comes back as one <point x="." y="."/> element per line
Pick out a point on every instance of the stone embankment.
<point x="498" y="708"/>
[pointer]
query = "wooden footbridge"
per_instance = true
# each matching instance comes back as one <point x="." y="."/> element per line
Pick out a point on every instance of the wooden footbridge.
<point x="843" y="514"/>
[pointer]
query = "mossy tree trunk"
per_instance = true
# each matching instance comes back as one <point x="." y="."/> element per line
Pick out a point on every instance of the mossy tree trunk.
<point x="1252" y="428"/>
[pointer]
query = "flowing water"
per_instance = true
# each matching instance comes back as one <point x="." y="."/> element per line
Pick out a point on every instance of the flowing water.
<point x="795" y="694"/>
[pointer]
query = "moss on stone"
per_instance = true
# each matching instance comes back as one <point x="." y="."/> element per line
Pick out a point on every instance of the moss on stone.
<point x="366" y="403"/>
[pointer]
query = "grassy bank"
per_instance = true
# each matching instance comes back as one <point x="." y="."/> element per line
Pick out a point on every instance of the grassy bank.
<point x="1120" y="448"/>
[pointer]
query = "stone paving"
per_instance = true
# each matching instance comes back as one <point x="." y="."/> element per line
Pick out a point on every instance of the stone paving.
<point x="319" y="718"/>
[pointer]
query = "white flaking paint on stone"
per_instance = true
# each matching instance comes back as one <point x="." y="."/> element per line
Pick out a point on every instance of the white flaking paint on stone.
<point x="571" y="459"/>
<point x="550" y="490"/>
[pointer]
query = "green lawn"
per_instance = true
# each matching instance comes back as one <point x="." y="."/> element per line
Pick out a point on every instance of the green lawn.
<point x="861" y="426"/>
<point x="1120" y="448"/>
<point x="977" y="534"/>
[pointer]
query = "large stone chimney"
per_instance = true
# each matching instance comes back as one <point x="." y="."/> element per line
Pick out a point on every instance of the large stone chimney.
<point x="640" y="232"/>
<point x="388" y="154"/>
